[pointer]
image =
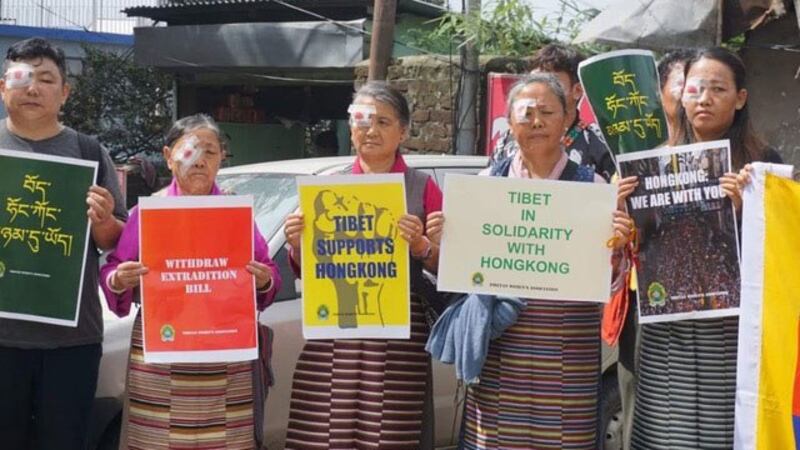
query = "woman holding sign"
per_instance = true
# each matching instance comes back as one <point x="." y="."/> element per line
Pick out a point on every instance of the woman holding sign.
<point x="687" y="372"/>
<point x="186" y="405"/>
<point x="539" y="386"/>
<point x="372" y="393"/>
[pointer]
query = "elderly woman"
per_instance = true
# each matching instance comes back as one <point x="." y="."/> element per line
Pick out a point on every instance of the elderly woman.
<point x="687" y="369"/>
<point x="371" y="394"/>
<point x="539" y="385"/>
<point x="219" y="397"/>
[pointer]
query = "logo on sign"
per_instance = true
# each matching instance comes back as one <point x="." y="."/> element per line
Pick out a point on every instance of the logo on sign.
<point x="167" y="333"/>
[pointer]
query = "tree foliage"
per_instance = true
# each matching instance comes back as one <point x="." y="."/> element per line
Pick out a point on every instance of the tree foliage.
<point x="507" y="28"/>
<point x="128" y="107"/>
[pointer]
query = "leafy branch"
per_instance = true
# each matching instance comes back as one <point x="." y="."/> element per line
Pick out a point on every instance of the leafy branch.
<point x="126" y="106"/>
<point x="508" y="29"/>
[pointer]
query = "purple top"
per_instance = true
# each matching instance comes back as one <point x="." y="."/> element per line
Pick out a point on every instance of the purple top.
<point x="128" y="250"/>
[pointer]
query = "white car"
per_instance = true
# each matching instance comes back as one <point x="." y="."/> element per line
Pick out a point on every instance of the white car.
<point x="275" y="192"/>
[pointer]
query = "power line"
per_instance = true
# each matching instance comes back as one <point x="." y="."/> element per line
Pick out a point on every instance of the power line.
<point x="365" y="32"/>
<point x="41" y="6"/>
<point x="53" y="13"/>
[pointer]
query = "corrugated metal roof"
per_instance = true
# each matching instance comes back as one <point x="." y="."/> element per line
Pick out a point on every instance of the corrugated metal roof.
<point x="175" y="9"/>
<point x="664" y="24"/>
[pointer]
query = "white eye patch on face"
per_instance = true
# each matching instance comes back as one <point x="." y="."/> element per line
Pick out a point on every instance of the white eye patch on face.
<point x="19" y="75"/>
<point x="694" y="88"/>
<point x="520" y="109"/>
<point x="188" y="153"/>
<point x="361" y="115"/>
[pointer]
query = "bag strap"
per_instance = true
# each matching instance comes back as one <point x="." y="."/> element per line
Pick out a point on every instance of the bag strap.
<point x="92" y="151"/>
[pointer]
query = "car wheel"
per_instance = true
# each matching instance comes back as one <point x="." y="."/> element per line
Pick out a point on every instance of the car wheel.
<point x="610" y="429"/>
<point x="110" y="438"/>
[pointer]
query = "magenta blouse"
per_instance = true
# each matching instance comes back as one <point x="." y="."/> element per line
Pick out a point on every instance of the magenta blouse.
<point x="128" y="250"/>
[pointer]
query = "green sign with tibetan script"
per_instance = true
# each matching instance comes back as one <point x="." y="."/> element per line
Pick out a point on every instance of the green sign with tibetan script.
<point x="43" y="236"/>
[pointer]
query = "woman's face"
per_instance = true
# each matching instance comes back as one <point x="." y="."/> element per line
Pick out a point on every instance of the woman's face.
<point x="539" y="126"/>
<point x="379" y="137"/>
<point x="195" y="160"/>
<point x="711" y="99"/>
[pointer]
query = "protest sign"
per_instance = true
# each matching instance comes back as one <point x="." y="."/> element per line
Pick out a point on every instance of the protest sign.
<point x="499" y="84"/>
<point x="44" y="234"/>
<point x="688" y="253"/>
<point x="527" y="238"/>
<point x="768" y="369"/>
<point x="498" y="129"/>
<point x="355" y="266"/>
<point x="623" y="89"/>
<point x="198" y="299"/>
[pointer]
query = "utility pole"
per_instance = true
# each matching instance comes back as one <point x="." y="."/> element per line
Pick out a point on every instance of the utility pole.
<point x="467" y="115"/>
<point x="380" y="48"/>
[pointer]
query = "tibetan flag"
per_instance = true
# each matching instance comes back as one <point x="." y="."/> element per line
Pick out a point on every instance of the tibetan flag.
<point x="768" y="374"/>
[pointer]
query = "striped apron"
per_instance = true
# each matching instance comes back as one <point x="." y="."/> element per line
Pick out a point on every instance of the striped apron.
<point x="187" y="406"/>
<point x="367" y="394"/>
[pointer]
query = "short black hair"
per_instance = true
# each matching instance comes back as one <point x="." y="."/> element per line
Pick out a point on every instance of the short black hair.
<point x="36" y="47"/>
<point x="672" y="57"/>
<point x="558" y="58"/>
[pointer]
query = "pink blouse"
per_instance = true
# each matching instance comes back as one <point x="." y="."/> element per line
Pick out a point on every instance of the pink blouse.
<point x="128" y="250"/>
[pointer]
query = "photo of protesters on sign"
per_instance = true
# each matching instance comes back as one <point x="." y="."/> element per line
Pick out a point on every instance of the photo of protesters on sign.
<point x="688" y="254"/>
<point x="354" y="263"/>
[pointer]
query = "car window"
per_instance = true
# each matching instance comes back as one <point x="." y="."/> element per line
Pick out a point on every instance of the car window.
<point x="274" y="196"/>
<point x="287" y="291"/>
<point x="441" y="171"/>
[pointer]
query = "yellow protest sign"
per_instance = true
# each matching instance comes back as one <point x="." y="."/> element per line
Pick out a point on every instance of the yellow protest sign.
<point x="354" y="262"/>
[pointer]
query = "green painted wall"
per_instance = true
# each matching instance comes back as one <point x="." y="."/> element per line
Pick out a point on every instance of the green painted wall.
<point x="251" y="143"/>
<point x="403" y="32"/>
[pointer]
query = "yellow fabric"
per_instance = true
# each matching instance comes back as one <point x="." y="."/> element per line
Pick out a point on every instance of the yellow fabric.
<point x="781" y="314"/>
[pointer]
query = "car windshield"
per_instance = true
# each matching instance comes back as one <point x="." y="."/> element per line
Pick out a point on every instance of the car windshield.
<point x="274" y="196"/>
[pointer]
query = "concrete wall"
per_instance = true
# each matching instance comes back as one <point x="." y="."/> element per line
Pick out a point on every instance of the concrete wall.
<point x="774" y="85"/>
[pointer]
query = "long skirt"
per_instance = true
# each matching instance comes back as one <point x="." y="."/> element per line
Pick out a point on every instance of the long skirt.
<point x="539" y="387"/>
<point x="187" y="406"/>
<point x="362" y="394"/>
<point x="687" y="385"/>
